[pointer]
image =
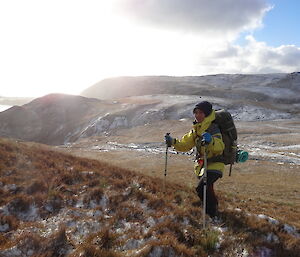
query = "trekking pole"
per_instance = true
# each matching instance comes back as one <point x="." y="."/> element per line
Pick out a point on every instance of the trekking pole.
<point x="204" y="182"/>
<point x="166" y="165"/>
<point x="234" y="150"/>
<point x="230" y="169"/>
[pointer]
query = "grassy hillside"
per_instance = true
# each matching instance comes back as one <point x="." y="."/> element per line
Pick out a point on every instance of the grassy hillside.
<point x="268" y="183"/>
<point x="52" y="119"/>
<point x="54" y="204"/>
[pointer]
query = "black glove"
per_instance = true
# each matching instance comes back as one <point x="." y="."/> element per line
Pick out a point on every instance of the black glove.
<point x="169" y="140"/>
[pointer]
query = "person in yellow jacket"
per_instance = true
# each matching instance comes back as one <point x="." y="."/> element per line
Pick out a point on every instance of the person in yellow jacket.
<point x="203" y="130"/>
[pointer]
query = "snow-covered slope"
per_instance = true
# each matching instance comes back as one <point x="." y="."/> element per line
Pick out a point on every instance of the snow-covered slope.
<point x="59" y="119"/>
<point x="282" y="88"/>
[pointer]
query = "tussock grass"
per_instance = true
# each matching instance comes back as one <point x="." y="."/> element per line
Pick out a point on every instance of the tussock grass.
<point x="19" y="204"/>
<point x="8" y="223"/>
<point x="55" y="204"/>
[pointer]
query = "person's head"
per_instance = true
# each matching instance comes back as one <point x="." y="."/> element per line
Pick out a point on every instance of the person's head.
<point x="202" y="110"/>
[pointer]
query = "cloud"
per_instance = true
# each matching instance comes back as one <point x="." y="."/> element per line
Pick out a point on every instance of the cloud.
<point x="201" y="16"/>
<point x="213" y="25"/>
<point x="254" y="57"/>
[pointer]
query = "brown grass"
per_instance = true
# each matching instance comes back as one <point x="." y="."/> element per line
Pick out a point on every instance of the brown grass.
<point x="260" y="186"/>
<point x="137" y="213"/>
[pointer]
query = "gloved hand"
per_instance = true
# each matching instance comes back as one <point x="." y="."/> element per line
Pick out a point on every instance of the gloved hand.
<point x="206" y="137"/>
<point x="169" y="140"/>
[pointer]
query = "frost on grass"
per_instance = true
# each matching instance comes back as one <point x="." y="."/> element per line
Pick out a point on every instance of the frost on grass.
<point x="67" y="206"/>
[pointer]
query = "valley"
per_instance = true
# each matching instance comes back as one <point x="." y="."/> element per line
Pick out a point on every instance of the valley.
<point x="270" y="175"/>
<point x="85" y="175"/>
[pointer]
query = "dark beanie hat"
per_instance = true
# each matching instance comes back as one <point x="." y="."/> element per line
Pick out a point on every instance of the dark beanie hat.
<point x="204" y="106"/>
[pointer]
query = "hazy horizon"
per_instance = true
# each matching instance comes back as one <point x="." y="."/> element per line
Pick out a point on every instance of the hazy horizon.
<point x="66" y="47"/>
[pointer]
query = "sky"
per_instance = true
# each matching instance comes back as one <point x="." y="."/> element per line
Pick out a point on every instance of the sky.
<point x="66" y="46"/>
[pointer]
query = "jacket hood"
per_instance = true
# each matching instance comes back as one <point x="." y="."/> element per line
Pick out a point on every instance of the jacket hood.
<point x="201" y="127"/>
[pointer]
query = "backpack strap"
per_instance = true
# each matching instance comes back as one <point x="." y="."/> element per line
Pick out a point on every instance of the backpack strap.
<point x="214" y="130"/>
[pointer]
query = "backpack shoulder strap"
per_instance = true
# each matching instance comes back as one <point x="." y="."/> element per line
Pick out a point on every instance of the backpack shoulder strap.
<point x="214" y="130"/>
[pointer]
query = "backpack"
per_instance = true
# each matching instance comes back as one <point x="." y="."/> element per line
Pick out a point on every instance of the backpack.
<point x="228" y="130"/>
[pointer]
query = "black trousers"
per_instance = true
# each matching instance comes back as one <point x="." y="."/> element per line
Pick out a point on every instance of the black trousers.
<point x="211" y="198"/>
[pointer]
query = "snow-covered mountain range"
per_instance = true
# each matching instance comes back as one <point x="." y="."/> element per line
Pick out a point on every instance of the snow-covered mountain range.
<point x="136" y="101"/>
<point x="279" y="88"/>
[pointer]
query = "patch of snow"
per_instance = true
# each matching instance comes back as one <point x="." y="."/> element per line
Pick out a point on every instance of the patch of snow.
<point x="94" y="213"/>
<point x="72" y="212"/>
<point x="273" y="92"/>
<point x="4" y="210"/>
<point x="244" y="253"/>
<point x="272" y="238"/>
<point x="4" y="107"/>
<point x="88" y="172"/>
<point x="49" y="207"/>
<point x="12" y="252"/>
<point x="119" y="122"/>
<point x="31" y="214"/>
<point x="104" y="202"/>
<point x="79" y="204"/>
<point x="61" y="127"/>
<point x="77" y="229"/>
<point x="30" y="252"/>
<point x="133" y="244"/>
<point x="253" y="113"/>
<point x="220" y="229"/>
<point x="273" y="221"/>
<point x="4" y="227"/>
<point x="150" y="221"/>
<point x="95" y="126"/>
<point x="159" y="251"/>
<point x="10" y="187"/>
<point x="93" y="204"/>
<point x="139" y="251"/>
<point x="264" y="252"/>
<point x="291" y="230"/>
<point x="186" y="221"/>
<point x="286" y="228"/>
<point x="289" y="147"/>
<point x="271" y="151"/>
<point x="269" y="219"/>
<point x="135" y="184"/>
<point x="124" y="226"/>
<point x="147" y="117"/>
<point x="82" y="229"/>
<point x="156" y="252"/>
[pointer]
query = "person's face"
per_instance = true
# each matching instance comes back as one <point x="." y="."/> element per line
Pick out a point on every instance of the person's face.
<point x="199" y="115"/>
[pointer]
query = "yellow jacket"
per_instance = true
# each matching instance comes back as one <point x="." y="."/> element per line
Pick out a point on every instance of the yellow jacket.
<point x="193" y="138"/>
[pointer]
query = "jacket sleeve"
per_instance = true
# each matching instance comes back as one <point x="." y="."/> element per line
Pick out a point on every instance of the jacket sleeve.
<point x="186" y="143"/>
<point x="216" y="146"/>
